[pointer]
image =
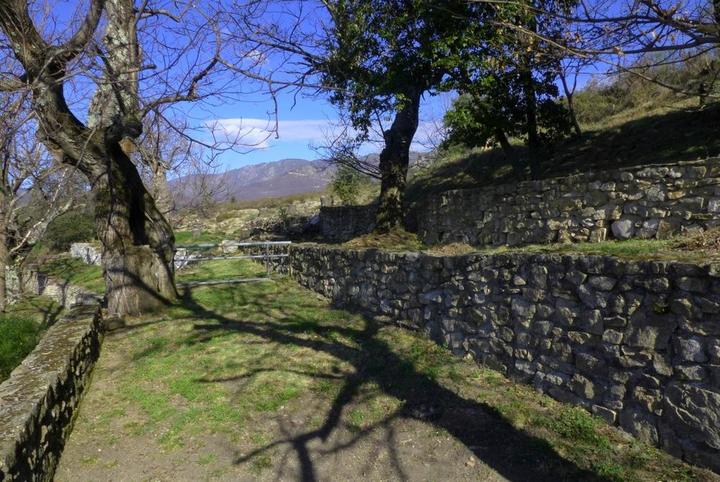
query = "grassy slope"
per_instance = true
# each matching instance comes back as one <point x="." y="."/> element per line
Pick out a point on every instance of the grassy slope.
<point x="702" y="247"/>
<point x="644" y="135"/>
<point x="234" y="361"/>
<point x="21" y="327"/>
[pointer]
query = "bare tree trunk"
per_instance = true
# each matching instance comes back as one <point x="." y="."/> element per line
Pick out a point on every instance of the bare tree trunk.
<point x="569" y="93"/>
<point x="504" y="143"/>
<point x="4" y="261"/>
<point x="394" y="162"/>
<point x="528" y="83"/>
<point x="137" y="240"/>
<point x="161" y="190"/>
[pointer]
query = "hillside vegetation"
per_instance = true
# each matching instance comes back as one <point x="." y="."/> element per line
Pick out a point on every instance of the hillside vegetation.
<point x="654" y="131"/>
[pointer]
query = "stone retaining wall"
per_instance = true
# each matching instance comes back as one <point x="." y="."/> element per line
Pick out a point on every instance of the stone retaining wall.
<point x="644" y="202"/>
<point x="641" y="202"/>
<point x="38" y="401"/>
<point x="341" y="223"/>
<point x="636" y="343"/>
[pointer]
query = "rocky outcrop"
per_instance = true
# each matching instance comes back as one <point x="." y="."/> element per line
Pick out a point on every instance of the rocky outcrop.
<point x="38" y="401"/>
<point x="636" y="343"/>
<point x="86" y="252"/>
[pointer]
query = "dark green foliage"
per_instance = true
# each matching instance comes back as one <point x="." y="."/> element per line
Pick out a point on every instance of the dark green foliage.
<point x="72" y="227"/>
<point x="380" y="52"/>
<point x="511" y="90"/>
<point x="475" y="121"/>
<point x="380" y="57"/>
<point x="18" y="336"/>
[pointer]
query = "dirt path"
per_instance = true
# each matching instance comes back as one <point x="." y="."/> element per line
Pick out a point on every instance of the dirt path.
<point x="109" y="443"/>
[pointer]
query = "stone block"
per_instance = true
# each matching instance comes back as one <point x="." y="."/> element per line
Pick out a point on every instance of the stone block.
<point x="640" y="424"/>
<point x="610" y="416"/>
<point x="690" y="349"/>
<point x="693" y="413"/>
<point x="623" y="228"/>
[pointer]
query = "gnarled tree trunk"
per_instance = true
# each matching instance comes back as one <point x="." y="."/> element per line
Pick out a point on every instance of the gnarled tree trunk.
<point x="394" y="162"/>
<point x="138" y="243"/>
<point x="137" y="240"/>
<point x="4" y="262"/>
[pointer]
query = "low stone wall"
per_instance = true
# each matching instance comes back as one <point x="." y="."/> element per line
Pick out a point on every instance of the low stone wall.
<point x="341" y="223"/>
<point x="644" y="202"/>
<point x="38" y="401"/>
<point x="34" y="282"/>
<point x="636" y="343"/>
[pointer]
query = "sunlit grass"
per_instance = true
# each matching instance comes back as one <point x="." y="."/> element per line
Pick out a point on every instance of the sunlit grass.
<point x="74" y="271"/>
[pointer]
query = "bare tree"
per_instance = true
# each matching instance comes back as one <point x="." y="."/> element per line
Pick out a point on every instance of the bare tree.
<point x="375" y="60"/>
<point x="135" y="70"/>
<point x="618" y="33"/>
<point x="28" y="175"/>
<point x="568" y="72"/>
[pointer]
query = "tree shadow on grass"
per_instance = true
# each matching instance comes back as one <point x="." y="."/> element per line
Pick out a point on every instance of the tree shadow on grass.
<point x="512" y="453"/>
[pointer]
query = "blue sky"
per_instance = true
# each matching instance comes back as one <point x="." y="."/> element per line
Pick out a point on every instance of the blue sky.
<point x="304" y="123"/>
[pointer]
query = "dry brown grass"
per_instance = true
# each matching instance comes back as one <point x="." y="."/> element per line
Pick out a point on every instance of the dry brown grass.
<point x="395" y="240"/>
<point x="701" y="242"/>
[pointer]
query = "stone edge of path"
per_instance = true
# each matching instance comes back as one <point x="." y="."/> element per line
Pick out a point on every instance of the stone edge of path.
<point x="38" y="401"/>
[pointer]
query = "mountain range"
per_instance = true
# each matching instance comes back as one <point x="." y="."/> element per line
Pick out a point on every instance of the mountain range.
<point x="265" y="180"/>
<point x="268" y="179"/>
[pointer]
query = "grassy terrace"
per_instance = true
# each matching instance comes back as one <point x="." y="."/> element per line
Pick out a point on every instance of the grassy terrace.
<point x="75" y="272"/>
<point x="694" y="248"/>
<point x="265" y="381"/>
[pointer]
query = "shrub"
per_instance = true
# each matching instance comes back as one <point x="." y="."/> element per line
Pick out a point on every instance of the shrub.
<point x="348" y="184"/>
<point x="71" y="227"/>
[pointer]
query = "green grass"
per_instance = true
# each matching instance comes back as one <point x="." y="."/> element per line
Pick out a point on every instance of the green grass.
<point x="675" y="249"/>
<point x="639" y="249"/>
<point x="220" y="269"/>
<point x="74" y="271"/>
<point x="21" y="327"/>
<point x="231" y="360"/>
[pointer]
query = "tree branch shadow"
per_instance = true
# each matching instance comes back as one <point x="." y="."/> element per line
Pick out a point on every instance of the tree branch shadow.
<point x="514" y="454"/>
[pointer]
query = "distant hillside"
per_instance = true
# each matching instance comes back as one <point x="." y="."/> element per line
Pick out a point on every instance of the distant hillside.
<point x="277" y="179"/>
<point x="266" y="180"/>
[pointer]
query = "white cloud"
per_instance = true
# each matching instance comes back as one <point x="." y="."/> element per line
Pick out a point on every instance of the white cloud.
<point x="261" y="132"/>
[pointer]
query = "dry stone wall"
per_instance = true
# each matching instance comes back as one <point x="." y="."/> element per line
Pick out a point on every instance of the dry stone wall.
<point x="341" y="223"/>
<point x="636" y="343"/>
<point x="645" y="202"/>
<point x="32" y="281"/>
<point x="38" y="401"/>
